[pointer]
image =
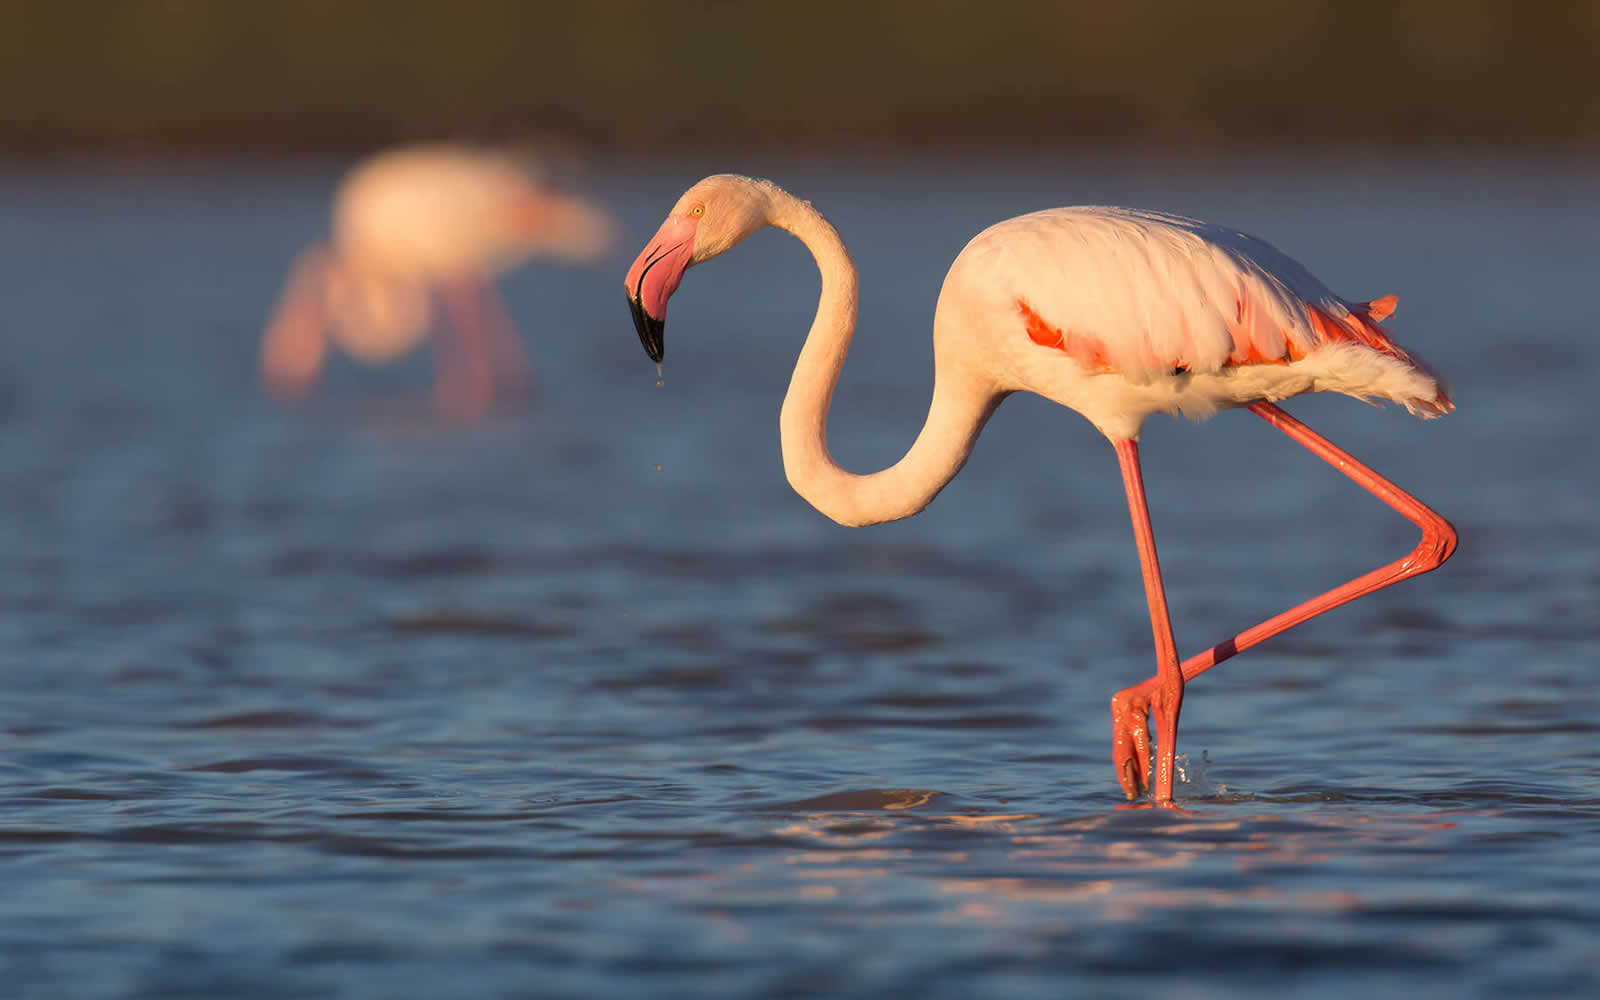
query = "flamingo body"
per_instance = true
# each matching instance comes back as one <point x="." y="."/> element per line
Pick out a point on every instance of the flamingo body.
<point x="1142" y="312"/>
<point x="411" y="227"/>
<point x="439" y="211"/>
<point x="1114" y="313"/>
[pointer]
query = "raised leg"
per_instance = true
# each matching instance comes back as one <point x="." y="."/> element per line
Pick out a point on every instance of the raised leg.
<point x="1166" y="695"/>
<point x="1129" y="707"/>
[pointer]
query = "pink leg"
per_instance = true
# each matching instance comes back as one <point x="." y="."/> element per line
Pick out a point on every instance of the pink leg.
<point x="464" y="385"/>
<point x="1128" y="707"/>
<point x="1166" y="697"/>
<point x="512" y="370"/>
<point x="296" y="343"/>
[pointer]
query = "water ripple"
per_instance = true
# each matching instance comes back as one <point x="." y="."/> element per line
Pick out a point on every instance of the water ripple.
<point x="583" y="701"/>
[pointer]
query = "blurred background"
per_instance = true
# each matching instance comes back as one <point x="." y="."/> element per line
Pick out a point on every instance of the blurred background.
<point x="351" y="698"/>
<point x="633" y="75"/>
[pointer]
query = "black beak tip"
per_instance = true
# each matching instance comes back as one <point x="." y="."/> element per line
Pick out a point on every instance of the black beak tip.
<point x="650" y="329"/>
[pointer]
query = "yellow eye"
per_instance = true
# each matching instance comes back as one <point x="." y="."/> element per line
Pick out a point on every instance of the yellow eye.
<point x="697" y="211"/>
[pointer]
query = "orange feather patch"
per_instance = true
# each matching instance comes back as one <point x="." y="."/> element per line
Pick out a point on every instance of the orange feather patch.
<point x="1354" y="328"/>
<point x="1359" y="329"/>
<point x="1251" y="355"/>
<point x="1363" y="330"/>
<point x="1082" y="348"/>
<point x="1379" y="310"/>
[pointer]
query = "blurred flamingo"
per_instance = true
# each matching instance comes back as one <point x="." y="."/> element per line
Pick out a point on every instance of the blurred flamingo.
<point x="412" y="226"/>
<point x="1112" y="312"/>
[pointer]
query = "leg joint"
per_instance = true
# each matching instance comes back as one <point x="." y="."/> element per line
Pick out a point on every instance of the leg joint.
<point x="1438" y="544"/>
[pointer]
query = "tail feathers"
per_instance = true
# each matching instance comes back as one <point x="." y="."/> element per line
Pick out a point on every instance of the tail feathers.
<point x="1358" y="328"/>
<point x="1439" y="405"/>
<point x="1376" y="337"/>
<point x="1354" y="327"/>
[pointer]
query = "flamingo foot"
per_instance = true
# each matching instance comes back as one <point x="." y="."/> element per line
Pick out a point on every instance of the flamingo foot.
<point x="1131" y="711"/>
<point x="1130" y="737"/>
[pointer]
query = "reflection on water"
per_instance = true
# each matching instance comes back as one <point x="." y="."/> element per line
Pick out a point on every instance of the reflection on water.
<point x="1058" y="889"/>
<point x="344" y="702"/>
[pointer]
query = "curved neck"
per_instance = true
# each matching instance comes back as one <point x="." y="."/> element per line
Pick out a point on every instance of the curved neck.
<point x="960" y="406"/>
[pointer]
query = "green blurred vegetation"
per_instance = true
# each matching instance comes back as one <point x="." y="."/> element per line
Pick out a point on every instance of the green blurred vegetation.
<point x="314" y="75"/>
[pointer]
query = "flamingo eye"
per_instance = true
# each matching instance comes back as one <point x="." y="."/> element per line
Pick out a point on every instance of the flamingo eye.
<point x="697" y="211"/>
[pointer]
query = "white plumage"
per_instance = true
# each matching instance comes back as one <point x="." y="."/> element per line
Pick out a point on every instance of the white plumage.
<point x="1177" y="309"/>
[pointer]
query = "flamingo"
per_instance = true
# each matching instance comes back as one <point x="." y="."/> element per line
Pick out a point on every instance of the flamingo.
<point x="411" y="225"/>
<point x="1115" y="313"/>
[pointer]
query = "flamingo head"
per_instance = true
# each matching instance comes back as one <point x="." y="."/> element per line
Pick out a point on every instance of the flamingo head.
<point x="548" y="220"/>
<point x="711" y="218"/>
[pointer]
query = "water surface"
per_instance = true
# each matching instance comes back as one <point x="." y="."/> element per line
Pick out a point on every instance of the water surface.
<point x="584" y="701"/>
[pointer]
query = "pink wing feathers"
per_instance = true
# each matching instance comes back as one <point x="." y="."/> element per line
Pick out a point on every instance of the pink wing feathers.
<point x="1147" y="294"/>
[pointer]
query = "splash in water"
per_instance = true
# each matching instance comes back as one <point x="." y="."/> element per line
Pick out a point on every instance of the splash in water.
<point x="1192" y="775"/>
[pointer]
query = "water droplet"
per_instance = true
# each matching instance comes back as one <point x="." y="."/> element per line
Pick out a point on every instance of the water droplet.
<point x="656" y="467"/>
<point x="659" y="379"/>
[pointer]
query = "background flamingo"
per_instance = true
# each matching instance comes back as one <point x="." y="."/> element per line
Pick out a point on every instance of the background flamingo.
<point x="1115" y="313"/>
<point x="411" y="227"/>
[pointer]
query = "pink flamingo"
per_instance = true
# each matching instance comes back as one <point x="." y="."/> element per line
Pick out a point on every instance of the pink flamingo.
<point x="411" y="225"/>
<point x="1112" y="312"/>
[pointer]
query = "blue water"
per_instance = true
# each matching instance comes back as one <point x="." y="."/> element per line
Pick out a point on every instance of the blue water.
<point x="582" y="701"/>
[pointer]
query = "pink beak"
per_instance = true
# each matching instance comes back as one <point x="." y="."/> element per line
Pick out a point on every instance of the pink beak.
<point x="655" y="276"/>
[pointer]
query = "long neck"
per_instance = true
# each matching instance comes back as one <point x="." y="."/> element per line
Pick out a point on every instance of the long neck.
<point x="961" y="404"/>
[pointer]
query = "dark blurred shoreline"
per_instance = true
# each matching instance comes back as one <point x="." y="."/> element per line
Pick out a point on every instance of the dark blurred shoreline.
<point x="167" y="78"/>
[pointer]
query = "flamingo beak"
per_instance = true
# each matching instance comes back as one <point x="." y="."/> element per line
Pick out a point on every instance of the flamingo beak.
<point x="655" y="275"/>
<point x="650" y="329"/>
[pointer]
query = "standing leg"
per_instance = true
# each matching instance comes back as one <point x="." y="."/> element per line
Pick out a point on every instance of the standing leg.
<point x="512" y="370"/>
<point x="296" y="342"/>
<point x="464" y="384"/>
<point x="1167" y="695"/>
<point x="1128" y="707"/>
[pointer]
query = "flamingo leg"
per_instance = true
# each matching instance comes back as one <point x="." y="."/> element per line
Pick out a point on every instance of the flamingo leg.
<point x="296" y="343"/>
<point x="464" y="385"/>
<point x="1437" y="544"/>
<point x="1166" y="694"/>
<point x="512" y="369"/>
